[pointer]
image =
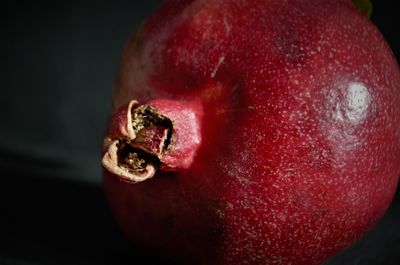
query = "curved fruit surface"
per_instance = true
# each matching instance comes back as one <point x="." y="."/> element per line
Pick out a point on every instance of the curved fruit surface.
<point x="269" y="134"/>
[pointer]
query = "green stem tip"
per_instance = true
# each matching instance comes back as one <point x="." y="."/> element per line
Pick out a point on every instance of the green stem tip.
<point x="365" y="6"/>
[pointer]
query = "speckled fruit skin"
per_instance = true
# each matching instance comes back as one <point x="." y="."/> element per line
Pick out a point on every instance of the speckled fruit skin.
<point x="300" y="149"/>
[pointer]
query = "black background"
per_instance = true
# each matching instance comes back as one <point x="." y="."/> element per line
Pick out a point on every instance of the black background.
<point x="58" y="65"/>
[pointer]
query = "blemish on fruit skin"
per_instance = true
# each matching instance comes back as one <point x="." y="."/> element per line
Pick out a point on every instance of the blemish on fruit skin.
<point x="226" y="25"/>
<point x="220" y="61"/>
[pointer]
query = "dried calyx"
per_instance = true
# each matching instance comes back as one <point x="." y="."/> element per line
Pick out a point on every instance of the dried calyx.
<point x="135" y="156"/>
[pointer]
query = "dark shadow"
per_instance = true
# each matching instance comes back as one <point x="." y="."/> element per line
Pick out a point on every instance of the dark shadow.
<point x="47" y="221"/>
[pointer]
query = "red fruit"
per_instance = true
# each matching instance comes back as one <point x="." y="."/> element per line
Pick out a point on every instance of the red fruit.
<point x="272" y="131"/>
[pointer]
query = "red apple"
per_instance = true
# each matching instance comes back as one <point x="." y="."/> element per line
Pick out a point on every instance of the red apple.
<point x="268" y="131"/>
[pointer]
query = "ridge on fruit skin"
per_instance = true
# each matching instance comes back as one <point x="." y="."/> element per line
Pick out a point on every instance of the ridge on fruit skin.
<point x="283" y="131"/>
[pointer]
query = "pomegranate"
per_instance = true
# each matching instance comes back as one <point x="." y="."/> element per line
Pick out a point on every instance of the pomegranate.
<point x="253" y="132"/>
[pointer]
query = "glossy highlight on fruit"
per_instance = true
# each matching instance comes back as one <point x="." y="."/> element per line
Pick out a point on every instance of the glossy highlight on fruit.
<point x="253" y="132"/>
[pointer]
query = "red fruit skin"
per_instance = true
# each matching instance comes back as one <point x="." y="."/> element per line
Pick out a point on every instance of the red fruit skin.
<point x="300" y="130"/>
